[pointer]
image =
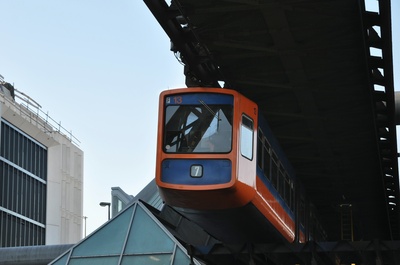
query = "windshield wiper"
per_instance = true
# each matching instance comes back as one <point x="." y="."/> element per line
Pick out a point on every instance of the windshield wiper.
<point x="209" y="109"/>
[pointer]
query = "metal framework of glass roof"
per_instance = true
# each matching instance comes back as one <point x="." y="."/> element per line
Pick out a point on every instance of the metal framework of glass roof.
<point x="134" y="236"/>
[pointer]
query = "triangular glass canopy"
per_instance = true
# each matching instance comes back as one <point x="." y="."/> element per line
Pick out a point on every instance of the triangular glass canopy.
<point x="134" y="236"/>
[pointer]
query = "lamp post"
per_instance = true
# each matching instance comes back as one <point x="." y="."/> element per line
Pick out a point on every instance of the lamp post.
<point x="104" y="204"/>
<point x="84" y="218"/>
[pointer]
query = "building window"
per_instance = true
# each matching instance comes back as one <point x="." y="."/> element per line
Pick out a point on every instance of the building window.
<point x="23" y="175"/>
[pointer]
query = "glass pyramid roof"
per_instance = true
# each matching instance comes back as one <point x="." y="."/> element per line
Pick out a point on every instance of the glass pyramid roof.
<point x="134" y="236"/>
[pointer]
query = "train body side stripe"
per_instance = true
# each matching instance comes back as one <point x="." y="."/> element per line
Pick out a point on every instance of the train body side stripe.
<point x="273" y="211"/>
<point x="274" y="192"/>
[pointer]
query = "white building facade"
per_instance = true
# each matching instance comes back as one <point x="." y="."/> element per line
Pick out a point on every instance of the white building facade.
<point x="41" y="176"/>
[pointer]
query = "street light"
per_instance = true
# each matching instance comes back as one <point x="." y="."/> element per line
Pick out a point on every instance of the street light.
<point x="104" y="204"/>
<point x="84" y="218"/>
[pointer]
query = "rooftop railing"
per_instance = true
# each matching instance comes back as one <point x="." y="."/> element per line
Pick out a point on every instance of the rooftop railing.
<point x="28" y="108"/>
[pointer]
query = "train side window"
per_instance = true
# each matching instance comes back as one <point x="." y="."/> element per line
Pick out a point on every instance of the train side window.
<point x="281" y="181"/>
<point x="287" y="190"/>
<point x="274" y="170"/>
<point x="267" y="159"/>
<point x="302" y="212"/>
<point x="260" y="148"/>
<point x="246" y="137"/>
<point x="292" y="196"/>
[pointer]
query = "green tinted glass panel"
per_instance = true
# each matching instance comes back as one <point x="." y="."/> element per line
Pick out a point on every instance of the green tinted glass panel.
<point x="146" y="236"/>
<point x="62" y="260"/>
<point x="164" y="259"/>
<point x="94" y="261"/>
<point x="107" y="240"/>
<point x="180" y="257"/>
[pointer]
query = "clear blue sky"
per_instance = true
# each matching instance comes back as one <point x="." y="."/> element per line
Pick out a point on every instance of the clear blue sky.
<point x="98" y="67"/>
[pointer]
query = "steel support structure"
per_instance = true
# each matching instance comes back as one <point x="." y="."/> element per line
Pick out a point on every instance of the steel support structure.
<point x="310" y="253"/>
<point x="201" y="69"/>
<point x="378" y="44"/>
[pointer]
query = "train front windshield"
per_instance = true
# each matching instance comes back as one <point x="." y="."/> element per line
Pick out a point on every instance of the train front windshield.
<point x="198" y="123"/>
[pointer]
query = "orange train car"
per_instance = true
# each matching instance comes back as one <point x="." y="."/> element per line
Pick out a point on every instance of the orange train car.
<point x="220" y="166"/>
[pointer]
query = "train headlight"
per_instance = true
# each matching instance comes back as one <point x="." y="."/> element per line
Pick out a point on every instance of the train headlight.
<point x="196" y="171"/>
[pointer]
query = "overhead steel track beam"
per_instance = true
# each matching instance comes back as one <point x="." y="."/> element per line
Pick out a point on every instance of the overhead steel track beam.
<point x="311" y="72"/>
<point x="202" y="70"/>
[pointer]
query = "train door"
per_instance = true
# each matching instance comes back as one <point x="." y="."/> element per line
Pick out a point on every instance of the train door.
<point x="247" y="124"/>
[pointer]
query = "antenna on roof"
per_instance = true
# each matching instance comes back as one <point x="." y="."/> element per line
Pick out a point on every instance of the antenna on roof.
<point x="28" y="99"/>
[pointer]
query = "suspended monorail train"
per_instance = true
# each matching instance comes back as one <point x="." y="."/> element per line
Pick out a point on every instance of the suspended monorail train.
<point x="220" y="166"/>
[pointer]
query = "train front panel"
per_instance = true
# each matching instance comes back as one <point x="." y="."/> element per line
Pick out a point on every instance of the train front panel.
<point x="197" y="149"/>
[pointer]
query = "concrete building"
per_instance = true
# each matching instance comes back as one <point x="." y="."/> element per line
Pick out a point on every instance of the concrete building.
<point x="119" y="200"/>
<point x="149" y="194"/>
<point x="41" y="175"/>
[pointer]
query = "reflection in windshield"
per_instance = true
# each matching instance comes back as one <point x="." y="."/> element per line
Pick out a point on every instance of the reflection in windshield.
<point x="198" y="128"/>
